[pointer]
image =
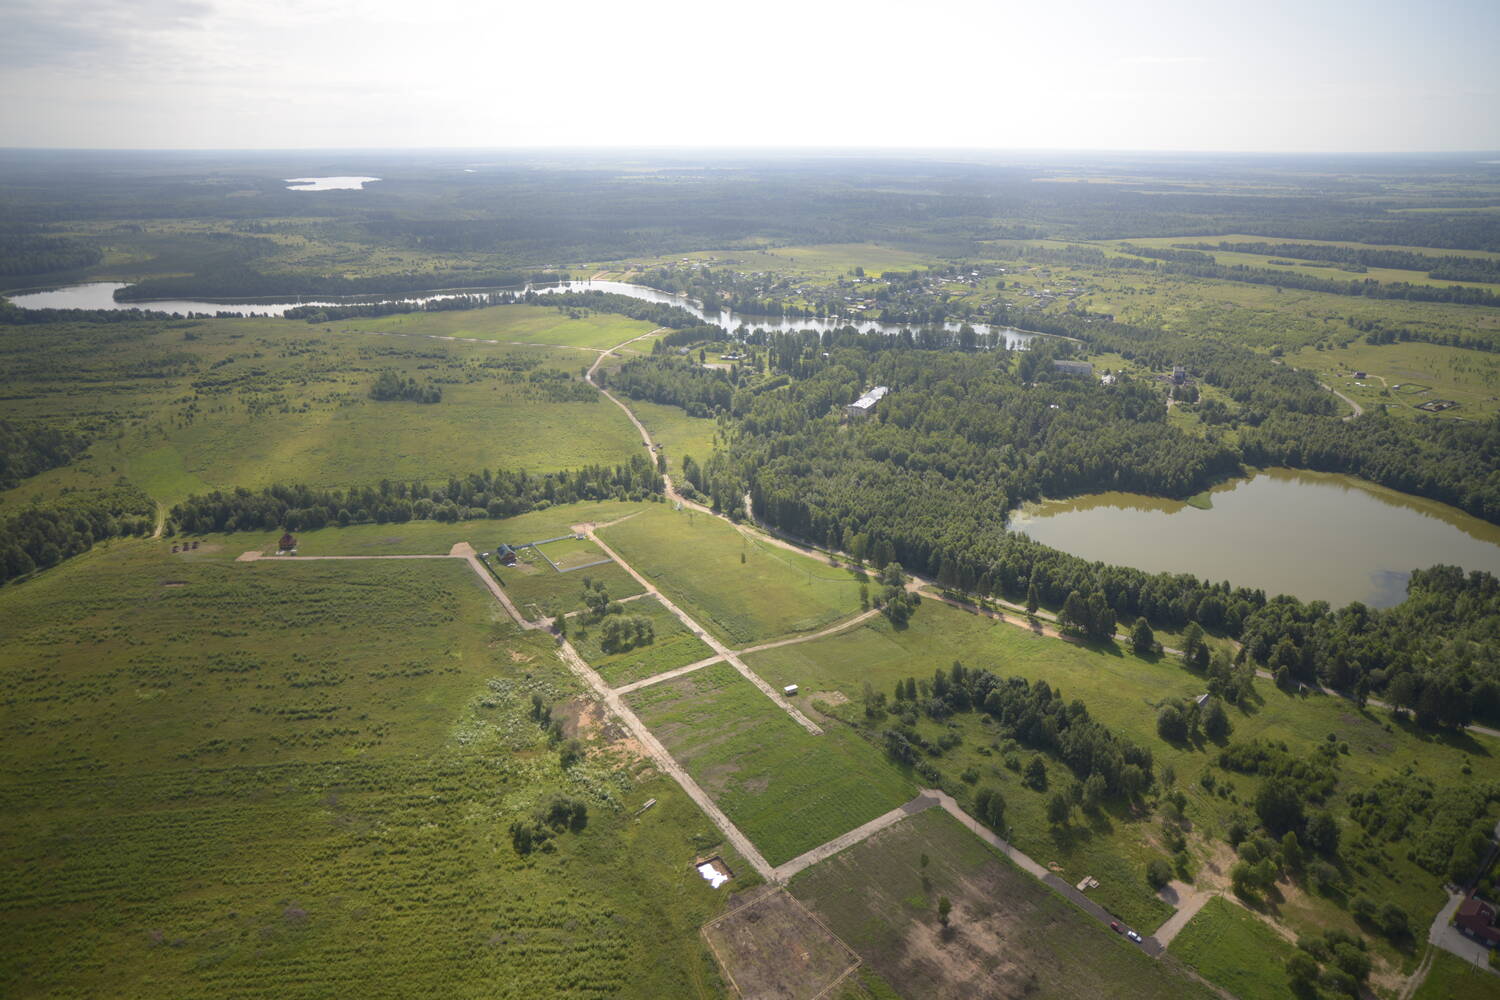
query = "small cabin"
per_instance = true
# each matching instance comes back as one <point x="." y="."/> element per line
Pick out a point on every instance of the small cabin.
<point x="288" y="543"/>
<point x="790" y="690"/>
<point x="505" y="554"/>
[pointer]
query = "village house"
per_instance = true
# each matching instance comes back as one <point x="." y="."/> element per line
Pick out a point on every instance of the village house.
<point x="1476" y="919"/>
<point x="505" y="554"/>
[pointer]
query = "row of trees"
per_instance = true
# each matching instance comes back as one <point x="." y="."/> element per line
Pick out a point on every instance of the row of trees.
<point x="497" y="494"/>
<point x="1443" y="268"/>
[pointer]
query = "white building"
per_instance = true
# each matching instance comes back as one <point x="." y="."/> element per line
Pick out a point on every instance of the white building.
<point x="865" y="405"/>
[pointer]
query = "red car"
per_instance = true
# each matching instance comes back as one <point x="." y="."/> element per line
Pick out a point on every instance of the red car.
<point x="1114" y="925"/>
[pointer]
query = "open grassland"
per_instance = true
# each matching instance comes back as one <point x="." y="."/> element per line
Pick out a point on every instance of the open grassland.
<point x="788" y="790"/>
<point x="678" y="434"/>
<point x="1123" y="691"/>
<point x="1008" y="936"/>
<point x="1451" y="978"/>
<point x="823" y="263"/>
<point x="742" y="590"/>
<point x="674" y="646"/>
<point x="297" y="779"/>
<point x="433" y="537"/>
<point x="1402" y="376"/>
<point x="186" y="406"/>
<point x="542" y="592"/>
<point x="1258" y="316"/>
<point x="513" y="324"/>
<point x="1230" y="946"/>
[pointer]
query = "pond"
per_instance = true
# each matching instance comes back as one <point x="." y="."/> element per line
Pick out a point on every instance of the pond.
<point x="1314" y="535"/>
<point x="328" y="183"/>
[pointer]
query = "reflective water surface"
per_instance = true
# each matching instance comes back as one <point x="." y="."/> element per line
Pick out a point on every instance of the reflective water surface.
<point x="1314" y="535"/>
<point x="328" y="183"/>
<point x="100" y="295"/>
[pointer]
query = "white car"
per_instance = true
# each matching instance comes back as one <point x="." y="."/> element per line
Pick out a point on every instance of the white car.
<point x="1133" y="936"/>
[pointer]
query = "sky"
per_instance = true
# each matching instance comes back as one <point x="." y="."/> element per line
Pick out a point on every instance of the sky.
<point x="1271" y="76"/>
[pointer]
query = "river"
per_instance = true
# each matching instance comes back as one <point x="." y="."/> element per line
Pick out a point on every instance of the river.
<point x="1314" y="535"/>
<point x="100" y="295"/>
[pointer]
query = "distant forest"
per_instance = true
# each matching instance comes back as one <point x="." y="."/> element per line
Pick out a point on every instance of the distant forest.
<point x="516" y="217"/>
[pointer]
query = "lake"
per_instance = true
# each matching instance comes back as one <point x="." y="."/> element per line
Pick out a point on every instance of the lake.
<point x="100" y="295"/>
<point x="1314" y="535"/>
<point x="328" y="183"/>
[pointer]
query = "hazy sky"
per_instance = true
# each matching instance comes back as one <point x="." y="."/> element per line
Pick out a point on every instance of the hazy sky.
<point x="1305" y="75"/>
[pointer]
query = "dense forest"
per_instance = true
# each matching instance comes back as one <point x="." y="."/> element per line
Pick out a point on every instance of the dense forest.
<point x="43" y="534"/>
<point x="29" y="448"/>
<point x="29" y="253"/>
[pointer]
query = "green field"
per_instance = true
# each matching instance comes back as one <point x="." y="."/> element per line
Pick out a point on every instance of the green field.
<point x="568" y="554"/>
<point x="788" y="790"/>
<point x="674" y="646"/>
<point x="678" y="434"/>
<point x="513" y="324"/>
<point x="1009" y="936"/>
<point x="1400" y="376"/>
<point x="1121" y="691"/>
<point x="186" y="406"/>
<point x="696" y="560"/>
<point x="219" y="777"/>
<point x="1451" y="978"/>
<point x="1252" y="315"/>
<point x="433" y="537"/>
<point x="1230" y="946"/>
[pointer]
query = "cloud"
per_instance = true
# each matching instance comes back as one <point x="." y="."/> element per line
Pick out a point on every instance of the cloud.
<point x="1163" y="60"/>
<point x="42" y="33"/>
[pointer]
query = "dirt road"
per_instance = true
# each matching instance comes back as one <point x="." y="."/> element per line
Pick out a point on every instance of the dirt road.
<point x="718" y="647"/>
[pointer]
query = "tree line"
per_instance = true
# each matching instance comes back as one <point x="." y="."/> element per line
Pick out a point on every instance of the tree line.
<point x="44" y="534"/>
<point x="489" y="494"/>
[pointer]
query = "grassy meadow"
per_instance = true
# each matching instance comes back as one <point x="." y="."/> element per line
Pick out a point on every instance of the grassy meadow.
<point x="1008" y="936"/>
<point x="678" y="434"/>
<point x="788" y="790"/>
<point x="1232" y="947"/>
<point x="1401" y="376"/>
<point x="1452" y="978"/>
<point x="220" y="776"/>
<point x="744" y="591"/>
<point x="1257" y="316"/>
<point x="1122" y="691"/>
<point x="191" y="405"/>
<point x="674" y="646"/>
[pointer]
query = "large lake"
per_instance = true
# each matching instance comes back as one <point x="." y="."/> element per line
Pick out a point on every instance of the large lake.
<point x="100" y="295"/>
<point x="328" y="183"/>
<point x="1313" y="535"/>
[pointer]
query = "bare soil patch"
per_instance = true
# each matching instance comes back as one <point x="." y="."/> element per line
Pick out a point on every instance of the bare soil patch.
<point x="1007" y="935"/>
<point x="771" y="948"/>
